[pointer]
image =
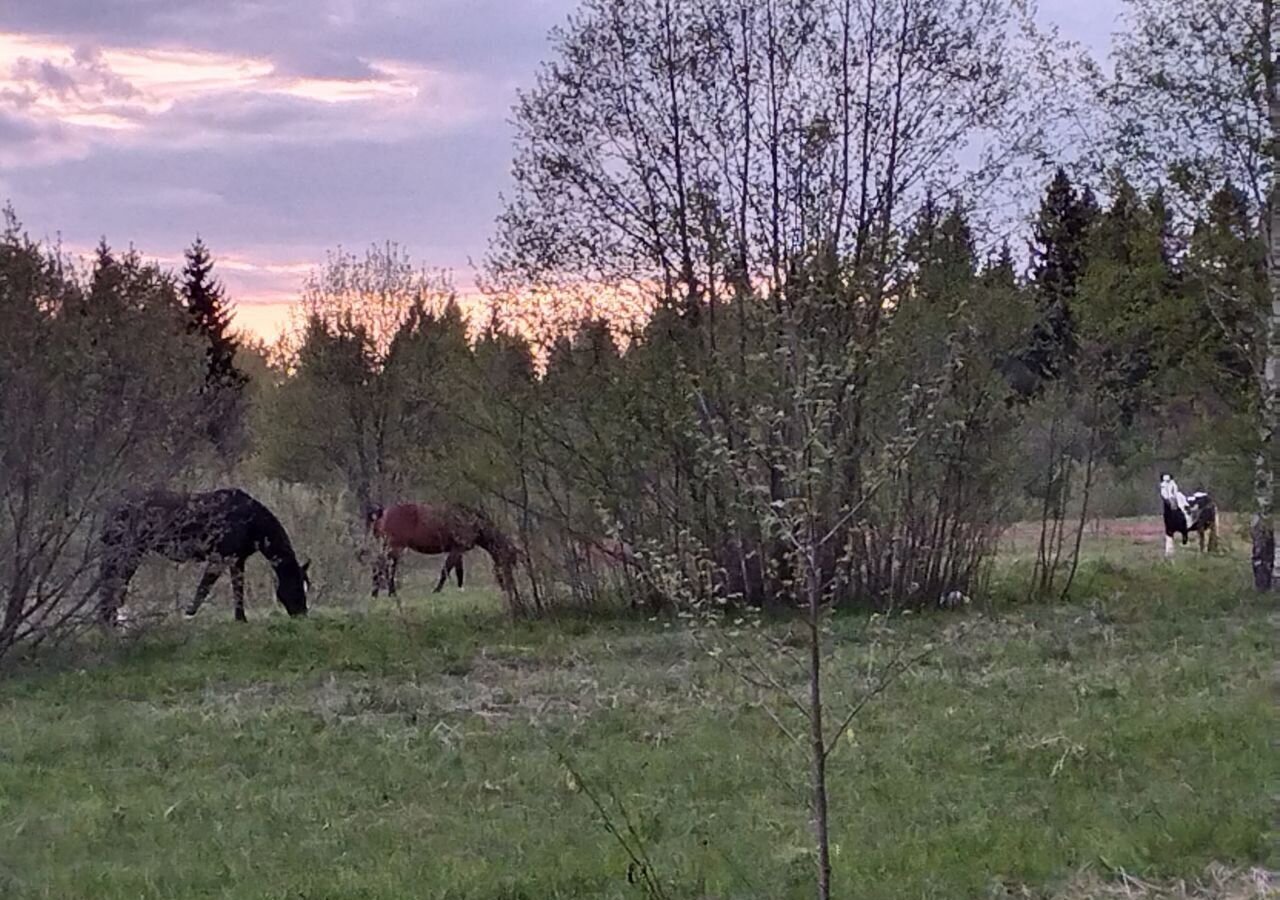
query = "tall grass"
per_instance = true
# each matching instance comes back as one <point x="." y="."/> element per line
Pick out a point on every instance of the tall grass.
<point x="415" y="752"/>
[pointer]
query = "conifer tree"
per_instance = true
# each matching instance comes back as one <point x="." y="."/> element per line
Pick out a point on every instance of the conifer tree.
<point x="1227" y="269"/>
<point x="1125" y="301"/>
<point x="1000" y="271"/>
<point x="106" y="275"/>
<point x="1059" y="256"/>
<point x="207" y="307"/>
<point x="209" y="319"/>
<point x="941" y="249"/>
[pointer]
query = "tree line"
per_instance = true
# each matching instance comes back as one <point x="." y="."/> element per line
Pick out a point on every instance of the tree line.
<point x="842" y="373"/>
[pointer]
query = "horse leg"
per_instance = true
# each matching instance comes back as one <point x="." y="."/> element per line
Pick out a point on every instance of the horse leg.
<point x="444" y="574"/>
<point x="212" y="572"/>
<point x="392" y="566"/>
<point x="115" y="571"/>
<point x="379" y="571"/>
<point x="1168" y="546"/>
<point x="237" y="588"/>
<point x="452" y="563"/>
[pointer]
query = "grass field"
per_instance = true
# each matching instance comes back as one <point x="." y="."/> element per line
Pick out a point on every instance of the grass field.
<point x="418" y="753"/>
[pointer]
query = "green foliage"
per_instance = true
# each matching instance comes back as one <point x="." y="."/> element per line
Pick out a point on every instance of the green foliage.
<point x="1189" y="96"/>
<point x="1227" y="279"/>
<point x="1059" y="256"/>
<point x="373" y="389"/>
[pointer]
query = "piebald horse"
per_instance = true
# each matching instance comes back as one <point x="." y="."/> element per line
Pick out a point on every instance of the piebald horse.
<point x="220" y="528"/>
<point x="1184" y="514"/>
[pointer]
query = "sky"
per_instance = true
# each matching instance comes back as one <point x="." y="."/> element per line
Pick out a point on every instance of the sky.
<point x="278" y="130"/>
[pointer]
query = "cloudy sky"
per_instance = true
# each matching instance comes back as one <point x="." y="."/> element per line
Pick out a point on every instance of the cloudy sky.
<point x="279" y="129"/>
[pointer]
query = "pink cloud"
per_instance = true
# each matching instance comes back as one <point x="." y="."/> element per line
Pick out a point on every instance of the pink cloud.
<point x="180" y="97"/>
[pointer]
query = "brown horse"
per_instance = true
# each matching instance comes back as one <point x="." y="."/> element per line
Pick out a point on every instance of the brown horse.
<point x="431" y="529"/>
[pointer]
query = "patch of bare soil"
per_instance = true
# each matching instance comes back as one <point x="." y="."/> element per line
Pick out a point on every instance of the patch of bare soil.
<point x="1218" y="883"/>
<point x="1136" y="530"/>
<point x="1142" y="529"/>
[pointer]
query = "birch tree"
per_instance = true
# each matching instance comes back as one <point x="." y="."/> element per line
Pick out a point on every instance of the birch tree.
<point x="713" y="155"/>
<point x="755" y="168"/>
<point x="362" y="347"/>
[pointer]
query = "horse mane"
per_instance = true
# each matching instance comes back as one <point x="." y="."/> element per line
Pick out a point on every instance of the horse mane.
<point x="274" y="543"/>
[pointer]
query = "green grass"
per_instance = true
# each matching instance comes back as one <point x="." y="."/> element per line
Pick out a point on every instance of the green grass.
<point x="388" y="755"/>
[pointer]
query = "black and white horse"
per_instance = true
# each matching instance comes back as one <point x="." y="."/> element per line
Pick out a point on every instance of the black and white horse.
<point x="219" y="528"/>
<point x="1184" y="514"/>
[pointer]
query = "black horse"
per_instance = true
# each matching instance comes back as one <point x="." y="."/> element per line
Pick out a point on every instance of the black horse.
<point x="220" y="528"/>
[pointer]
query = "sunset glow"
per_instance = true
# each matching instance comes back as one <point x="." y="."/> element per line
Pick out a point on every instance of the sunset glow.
<point x="120" y="89"/>
<point x="279" y="131"/>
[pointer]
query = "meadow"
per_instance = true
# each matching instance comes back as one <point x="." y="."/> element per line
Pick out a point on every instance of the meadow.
<point x="439" y="750"/>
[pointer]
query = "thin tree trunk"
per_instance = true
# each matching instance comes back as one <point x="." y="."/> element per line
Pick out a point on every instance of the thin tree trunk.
<point x="1263" y="527"/>
<point x="1039" y="573"/>
<point x="1090" y="459"/>
<point x="817" y="739"/>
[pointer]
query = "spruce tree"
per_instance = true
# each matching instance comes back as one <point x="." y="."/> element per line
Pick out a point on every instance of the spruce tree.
<point x="1059" y="258"/>
<point x="1227" y="267"/>
<point x="941" y="249"/>
<point x="1000" y="270"/>
<point x="1124" y="303"/>
<point x="210" y="319"/>
<point x="106" y="277"/>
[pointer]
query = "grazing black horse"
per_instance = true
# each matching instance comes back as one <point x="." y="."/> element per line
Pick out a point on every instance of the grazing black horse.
<point x="220" y="528"/>
<point x="1183" y="514"/>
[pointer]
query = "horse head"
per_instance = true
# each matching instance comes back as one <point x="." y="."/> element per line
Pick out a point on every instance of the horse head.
<point x="292" y="584"/>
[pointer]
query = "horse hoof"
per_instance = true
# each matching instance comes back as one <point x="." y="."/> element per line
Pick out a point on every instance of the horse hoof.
<point x="190" y="613"/>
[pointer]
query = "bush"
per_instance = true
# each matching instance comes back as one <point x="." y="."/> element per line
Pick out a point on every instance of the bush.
<point x="100" y="394"/>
